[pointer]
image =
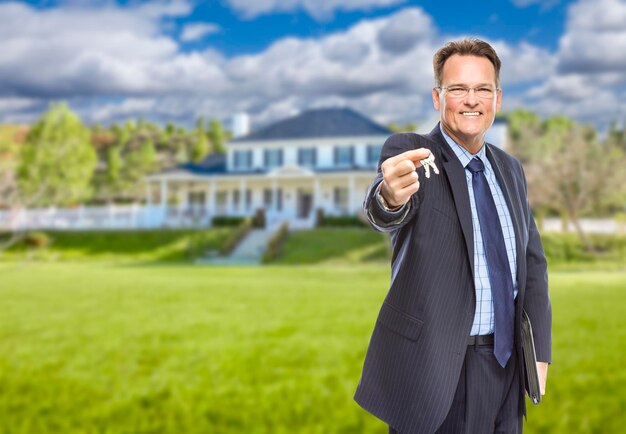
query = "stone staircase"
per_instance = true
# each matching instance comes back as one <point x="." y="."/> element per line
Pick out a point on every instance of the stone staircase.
<point x="248" y="252"/>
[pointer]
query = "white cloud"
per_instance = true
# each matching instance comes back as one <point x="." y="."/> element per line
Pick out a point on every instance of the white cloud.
<point x="590" y="75"/>
<point x="115" y="62"/>
<point x="318" y="9"/>
<point x="195" y="31"/>
<point x="595" y="37"/>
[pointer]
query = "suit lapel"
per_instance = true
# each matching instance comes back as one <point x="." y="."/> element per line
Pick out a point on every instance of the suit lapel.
<point x="458" y="184"/>
<point x="507" y="184"/>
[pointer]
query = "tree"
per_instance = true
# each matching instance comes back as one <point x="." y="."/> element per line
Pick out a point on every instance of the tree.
<point x="57" y="160"/>
<point x="217" y="136"/>
<point x="200" y="146"/>
<point x="408" y="127"/>
<point x="567" y="168"/>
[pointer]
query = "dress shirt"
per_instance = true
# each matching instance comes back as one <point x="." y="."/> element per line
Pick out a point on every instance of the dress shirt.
<point x="484" y="317"/>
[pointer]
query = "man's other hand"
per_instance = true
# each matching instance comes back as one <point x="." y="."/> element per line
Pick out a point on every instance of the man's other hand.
<point x="400" y="180"/>
<point x="542" y="371"/>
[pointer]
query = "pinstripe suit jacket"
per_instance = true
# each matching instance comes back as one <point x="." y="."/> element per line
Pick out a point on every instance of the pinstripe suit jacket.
<point x="419" y="341"/>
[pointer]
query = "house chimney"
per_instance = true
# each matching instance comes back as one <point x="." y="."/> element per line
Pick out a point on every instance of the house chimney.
<point x="241" y="125"/>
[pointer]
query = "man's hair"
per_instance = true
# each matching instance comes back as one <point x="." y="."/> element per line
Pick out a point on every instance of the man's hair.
<point x="465" y="47"/>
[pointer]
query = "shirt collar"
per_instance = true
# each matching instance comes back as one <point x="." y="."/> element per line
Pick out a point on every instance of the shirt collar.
<point x="461" y="153"/>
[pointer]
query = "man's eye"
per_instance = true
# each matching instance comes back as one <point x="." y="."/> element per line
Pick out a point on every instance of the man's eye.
<point x="456" y="89"/>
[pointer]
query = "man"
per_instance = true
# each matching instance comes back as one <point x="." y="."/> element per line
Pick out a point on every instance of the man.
<point x="445" y="355"/>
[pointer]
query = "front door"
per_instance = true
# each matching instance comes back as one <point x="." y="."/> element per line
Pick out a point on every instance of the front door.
<point x="305" y="203"/>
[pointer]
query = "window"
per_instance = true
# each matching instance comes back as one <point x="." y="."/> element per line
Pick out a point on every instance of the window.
<point x="196" y="198"/>
<point x="267" y="198"/>
<point x="341" y="199"/>
<point x="273" y="158"/>
<point x="373" y="154"/>
<point x="248" y="205"/>
<point x="279" y="199"/>
<point x="221" y="202"/>
<point x="243" y="160"/>
<point x="344" y="156"/>
<point x="307" y="157"/>
<point x="236" y="199"/>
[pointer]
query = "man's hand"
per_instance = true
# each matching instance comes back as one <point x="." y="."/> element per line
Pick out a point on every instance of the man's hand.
<point x="400" y="180"/>
<point x="542" y="371"/>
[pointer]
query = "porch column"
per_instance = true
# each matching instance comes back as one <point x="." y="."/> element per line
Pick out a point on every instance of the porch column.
<point x="164" y="193"/>
<point x="148" y="193"/>
<point x="317" y="194"/>
<point x="163" y="204"/>
<point x="242" y="195"/>
<point x="351" y="194"/>
<point x="274" y="195"/>
<point x="211" y="204"/>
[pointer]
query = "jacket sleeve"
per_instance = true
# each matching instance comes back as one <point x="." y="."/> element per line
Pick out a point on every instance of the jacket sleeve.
<point x="379" y="218"/>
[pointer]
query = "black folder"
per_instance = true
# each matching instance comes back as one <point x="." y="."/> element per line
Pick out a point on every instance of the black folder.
<point x="530" y="360"/>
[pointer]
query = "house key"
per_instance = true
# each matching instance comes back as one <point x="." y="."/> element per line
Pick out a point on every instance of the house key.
<point x="429" y="162"/>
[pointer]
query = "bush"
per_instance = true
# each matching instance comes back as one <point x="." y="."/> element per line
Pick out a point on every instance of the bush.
<point x="340" y="221"/>
<point x="275" y="244"/>
<point x="37" y="240"/>
<point x="232" y="241"/>
<point x="259" y="218"/>
<point x="221" y="221"/>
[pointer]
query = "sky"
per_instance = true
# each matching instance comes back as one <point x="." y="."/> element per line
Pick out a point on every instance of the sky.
<point x="177" y="60"/>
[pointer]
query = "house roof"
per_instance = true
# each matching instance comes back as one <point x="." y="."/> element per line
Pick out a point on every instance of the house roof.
<point x="213" y="163"/>
<point x="326" y="122"/>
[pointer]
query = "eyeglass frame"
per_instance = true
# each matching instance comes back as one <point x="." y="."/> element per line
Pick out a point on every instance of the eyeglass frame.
<point x="467" y="91"/>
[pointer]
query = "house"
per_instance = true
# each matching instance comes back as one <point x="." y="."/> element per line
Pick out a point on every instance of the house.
<point x="320" y="159"/>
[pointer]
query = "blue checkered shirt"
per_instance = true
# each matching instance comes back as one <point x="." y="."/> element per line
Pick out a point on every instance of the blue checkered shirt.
<point x="483" y="318"/>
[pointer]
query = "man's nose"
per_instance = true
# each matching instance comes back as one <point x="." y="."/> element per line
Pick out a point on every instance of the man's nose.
<point x="471" y="98"/>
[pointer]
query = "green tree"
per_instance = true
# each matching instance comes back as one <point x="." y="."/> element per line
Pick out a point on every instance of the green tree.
<point x="566" y="167"/>
<point x="217" y="136"/>
<point x="57" y="160"/>
<point x="200" y="145"/>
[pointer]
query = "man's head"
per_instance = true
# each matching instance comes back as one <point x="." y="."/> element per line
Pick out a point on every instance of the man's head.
<point x="467" y="90"/>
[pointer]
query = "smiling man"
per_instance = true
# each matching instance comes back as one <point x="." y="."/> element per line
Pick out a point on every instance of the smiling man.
<point x="445" y="355"/>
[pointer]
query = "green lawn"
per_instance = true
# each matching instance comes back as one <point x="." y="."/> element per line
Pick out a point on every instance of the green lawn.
<point x="119" y="245"/>
<point x="93" y="347"/>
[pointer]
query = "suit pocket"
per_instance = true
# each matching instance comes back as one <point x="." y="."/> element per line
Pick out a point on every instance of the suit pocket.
<point x="400" y="322"/>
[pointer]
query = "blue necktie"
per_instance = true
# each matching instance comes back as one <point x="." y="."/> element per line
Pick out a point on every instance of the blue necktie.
<point x="497" y="262"/>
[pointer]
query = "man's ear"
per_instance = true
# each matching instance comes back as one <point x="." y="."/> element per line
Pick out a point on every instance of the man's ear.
<point x="435" y="94"/>
<point x="499" y="101"/>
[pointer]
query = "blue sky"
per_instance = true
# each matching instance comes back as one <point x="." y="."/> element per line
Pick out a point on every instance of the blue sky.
<point x="179" y="59"/>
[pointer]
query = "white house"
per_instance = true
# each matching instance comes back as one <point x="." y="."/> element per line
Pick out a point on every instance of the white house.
<point x="320" y="159"/>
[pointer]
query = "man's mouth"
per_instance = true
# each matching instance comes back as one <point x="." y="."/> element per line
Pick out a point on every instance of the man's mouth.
<point x="470" y="113"/>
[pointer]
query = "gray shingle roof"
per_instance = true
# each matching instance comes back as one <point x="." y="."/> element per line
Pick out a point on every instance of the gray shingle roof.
<point x="327" y="122"/>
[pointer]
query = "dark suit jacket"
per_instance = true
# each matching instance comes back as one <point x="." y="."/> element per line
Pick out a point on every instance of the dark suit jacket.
<point x="419" y="341"/>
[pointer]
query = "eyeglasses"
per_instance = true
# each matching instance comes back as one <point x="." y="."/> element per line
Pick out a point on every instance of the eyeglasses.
<point x="484" y="92"/>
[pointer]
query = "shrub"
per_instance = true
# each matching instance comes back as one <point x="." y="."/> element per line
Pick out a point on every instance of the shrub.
<point x="232" y="241"/>
<point x="259" y="218"/>
<point x="275" y="244"/>
<point x="221" y="221"/>
<point x="340" y="221"/>
<point x="37" y="240"/>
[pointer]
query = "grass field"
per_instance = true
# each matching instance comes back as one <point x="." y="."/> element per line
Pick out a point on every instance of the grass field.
<point x="119" y="245"/>
<point x="104" y="348"/>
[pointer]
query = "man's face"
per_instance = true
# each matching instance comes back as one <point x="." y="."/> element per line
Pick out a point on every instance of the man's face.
<point x="467" y="118"/>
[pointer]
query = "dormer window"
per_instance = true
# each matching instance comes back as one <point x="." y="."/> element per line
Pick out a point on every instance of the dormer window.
<point x="242" y="160"/>
<point x="273" y="158"/>
<point x="307" y="157"/>
<point x="373" y="154"/>
<point x="344" y="156"/>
